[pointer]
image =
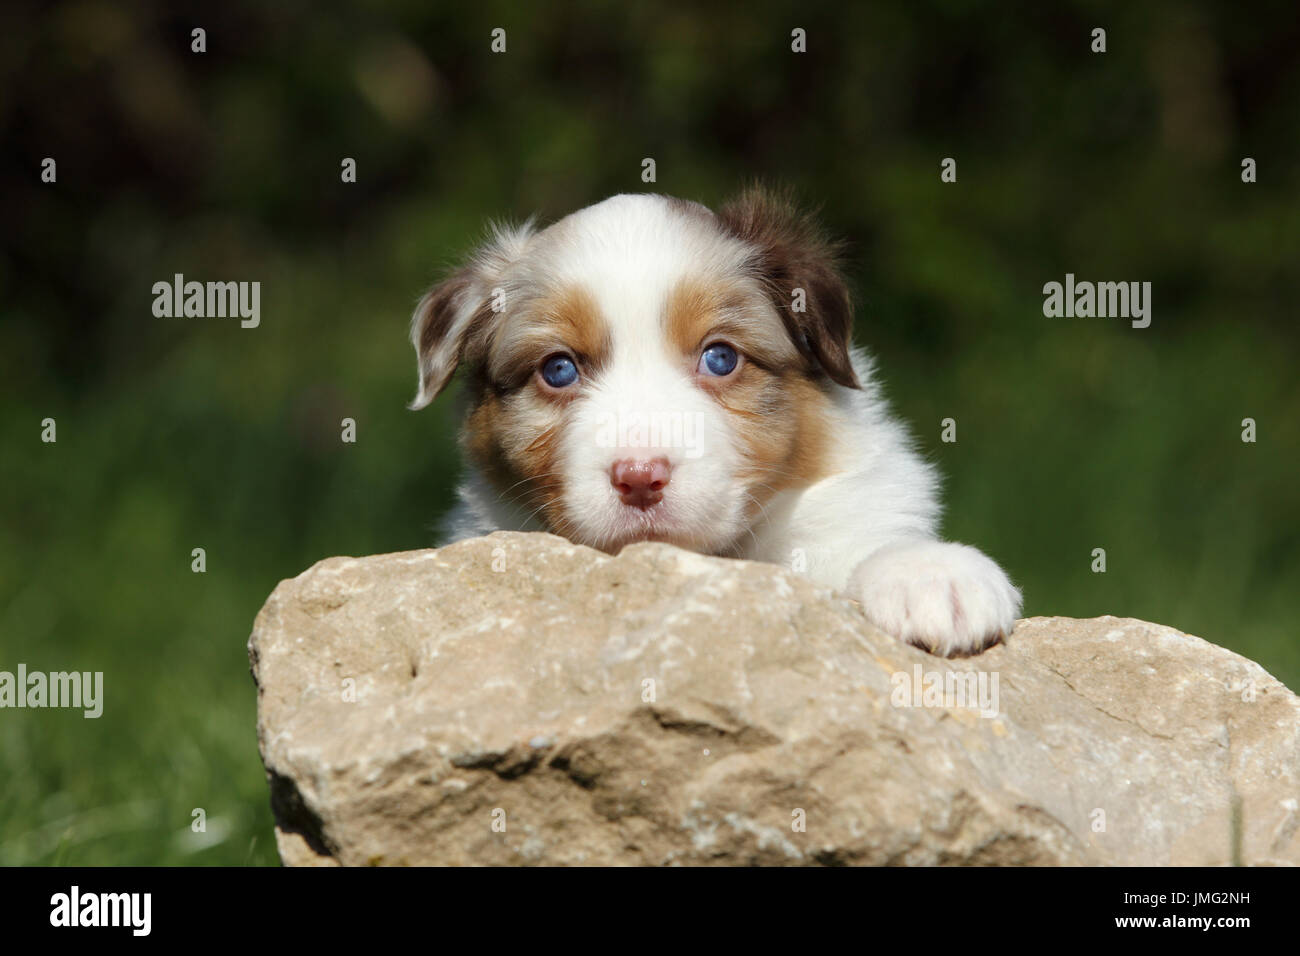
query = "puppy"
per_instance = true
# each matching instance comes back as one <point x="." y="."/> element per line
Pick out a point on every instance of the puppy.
<point x="648" y="370"/>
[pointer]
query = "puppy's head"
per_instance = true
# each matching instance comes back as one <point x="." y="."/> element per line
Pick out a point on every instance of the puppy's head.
<point x="644" y="369"/>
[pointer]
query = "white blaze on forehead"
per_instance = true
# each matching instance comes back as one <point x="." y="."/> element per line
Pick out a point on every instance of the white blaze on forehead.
<point x="630" y="252"/>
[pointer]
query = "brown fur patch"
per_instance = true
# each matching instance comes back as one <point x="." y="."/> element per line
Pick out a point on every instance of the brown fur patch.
<point x="791" y="252"/>
<point x="781" y="421"/>
<point x="435" y="316"/>
<point x="698" y="310"/>
<point x="500" y="436"/>
<point x="567" y="320"/>
<point x="436" y="309"/>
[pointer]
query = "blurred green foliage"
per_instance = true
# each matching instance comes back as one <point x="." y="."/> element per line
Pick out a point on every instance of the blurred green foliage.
<point x="174" y="434"/>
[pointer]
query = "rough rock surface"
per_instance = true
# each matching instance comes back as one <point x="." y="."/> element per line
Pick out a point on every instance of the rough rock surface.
<point x="519" y="699"/>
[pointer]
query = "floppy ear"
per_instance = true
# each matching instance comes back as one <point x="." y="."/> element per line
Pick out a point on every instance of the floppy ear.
<point x="791" y="252"/>
<point x="461" y="303"/>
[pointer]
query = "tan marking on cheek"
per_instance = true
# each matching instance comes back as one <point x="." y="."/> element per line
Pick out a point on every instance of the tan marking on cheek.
<point x="501" y="436"/>
<point x="810" y="459"/>
<point x="780" y="421"/>
<point x="540" y="461"/>
<point x="478" y="437"/>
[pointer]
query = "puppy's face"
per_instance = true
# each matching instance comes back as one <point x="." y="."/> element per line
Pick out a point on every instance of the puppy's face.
<point x="644" y="369"/>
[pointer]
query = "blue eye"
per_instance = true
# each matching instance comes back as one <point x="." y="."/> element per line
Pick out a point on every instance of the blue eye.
<point x="558" y="371"/>
<point x="719" y="359"/>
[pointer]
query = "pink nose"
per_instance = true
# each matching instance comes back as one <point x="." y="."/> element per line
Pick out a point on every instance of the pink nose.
<point x="640" y="483"/>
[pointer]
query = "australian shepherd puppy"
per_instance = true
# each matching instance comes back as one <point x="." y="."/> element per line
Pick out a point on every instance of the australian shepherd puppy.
<point x="648" y="370"/>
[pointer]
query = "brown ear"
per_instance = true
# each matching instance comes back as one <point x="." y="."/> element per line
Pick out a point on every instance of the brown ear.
<point x="447" y="313"/>
<point x="791" y="253"/>
<point x="438" y="327"/>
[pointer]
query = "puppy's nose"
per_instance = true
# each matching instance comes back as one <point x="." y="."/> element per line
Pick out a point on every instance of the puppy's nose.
<point x="640" y="483"/>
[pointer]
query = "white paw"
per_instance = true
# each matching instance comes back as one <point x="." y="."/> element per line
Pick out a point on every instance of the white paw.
<point x="948" y="599"/>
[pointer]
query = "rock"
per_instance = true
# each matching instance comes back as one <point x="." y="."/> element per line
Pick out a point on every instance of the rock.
<point x="520" y="699"/>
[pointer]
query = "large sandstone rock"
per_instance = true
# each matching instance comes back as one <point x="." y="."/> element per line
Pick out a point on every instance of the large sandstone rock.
<point x="519" y="699"/>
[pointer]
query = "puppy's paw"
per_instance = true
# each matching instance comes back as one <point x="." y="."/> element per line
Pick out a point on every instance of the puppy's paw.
<point x="948" y="599"/>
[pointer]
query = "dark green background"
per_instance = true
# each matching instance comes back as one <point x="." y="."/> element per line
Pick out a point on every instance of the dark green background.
<point x="181" y="433"/>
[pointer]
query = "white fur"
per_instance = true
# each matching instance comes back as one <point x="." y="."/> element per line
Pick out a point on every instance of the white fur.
<point x="869" y="529"/>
